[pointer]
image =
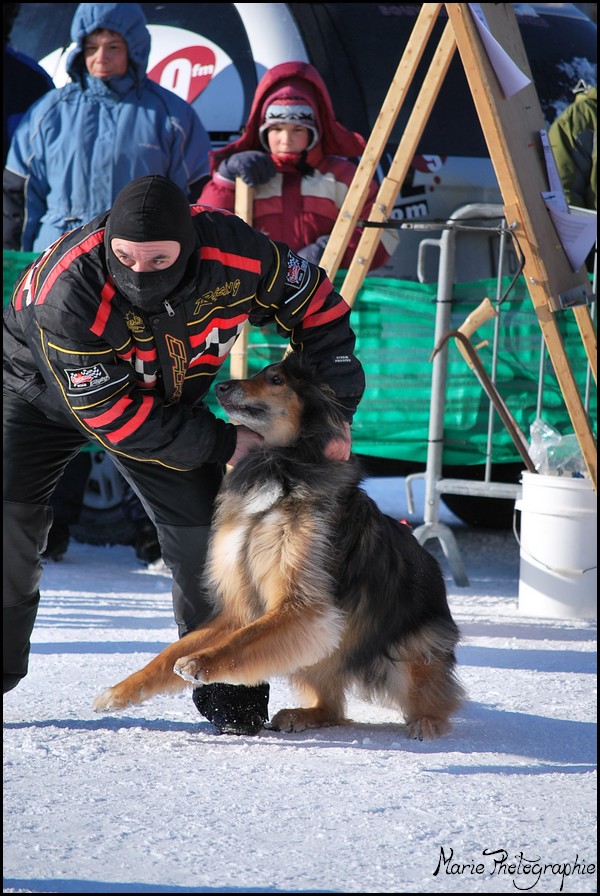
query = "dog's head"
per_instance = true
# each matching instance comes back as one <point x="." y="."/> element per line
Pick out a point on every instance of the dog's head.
<point x="284" y="403"/>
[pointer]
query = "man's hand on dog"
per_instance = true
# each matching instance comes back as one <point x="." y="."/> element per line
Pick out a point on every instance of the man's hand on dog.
<point x="340" y="449"/>
<point x="246" y="440"/>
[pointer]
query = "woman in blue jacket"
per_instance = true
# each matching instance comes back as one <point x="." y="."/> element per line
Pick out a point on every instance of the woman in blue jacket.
<point x="79" y="145"/>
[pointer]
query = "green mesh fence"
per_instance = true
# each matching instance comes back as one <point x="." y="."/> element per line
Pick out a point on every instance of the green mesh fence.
<point x="395" y="325"/>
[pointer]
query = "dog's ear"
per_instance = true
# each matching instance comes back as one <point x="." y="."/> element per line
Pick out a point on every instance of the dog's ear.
<point x="299" y="372"/>
<point x="322" y="415"/>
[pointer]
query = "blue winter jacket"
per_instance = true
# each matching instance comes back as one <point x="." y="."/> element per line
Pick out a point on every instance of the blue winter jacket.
<point x="79" y="145"/>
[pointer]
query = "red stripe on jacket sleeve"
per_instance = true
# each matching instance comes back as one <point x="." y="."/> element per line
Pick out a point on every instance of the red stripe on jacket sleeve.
<point x="320" y="297"/>
<point x="68" y="258"/>
<point x="136" y="421"/>
<point x="325" y="317"/>
<point x="106" y="296"/>
<point x="109" y="415"/>
<point x="210" y="253"/>
<point x="314" y="317"/>
<point x="115" y="412"/>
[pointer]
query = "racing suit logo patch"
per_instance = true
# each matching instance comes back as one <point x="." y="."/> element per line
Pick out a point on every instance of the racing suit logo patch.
<point x="86" y="377"/>
<point x="296" y="270"/>
<point x="176" y="350"/>
<point x="134" y="322"/>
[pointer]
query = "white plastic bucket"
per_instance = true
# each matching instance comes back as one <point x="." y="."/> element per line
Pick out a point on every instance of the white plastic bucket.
<point x="558" y="554"/>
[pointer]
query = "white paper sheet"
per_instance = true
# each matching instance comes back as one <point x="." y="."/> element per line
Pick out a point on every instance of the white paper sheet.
<point x="576" y="227"/>
<point x="509" y="74"/>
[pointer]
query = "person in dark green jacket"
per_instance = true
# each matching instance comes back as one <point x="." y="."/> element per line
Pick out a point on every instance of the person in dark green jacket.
<point x="572" y="137"/>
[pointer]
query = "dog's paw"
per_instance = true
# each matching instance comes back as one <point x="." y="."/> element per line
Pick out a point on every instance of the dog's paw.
<point x="110" y="699"/>
<point x="287" y="720"/>
<point x="301" y="719"/>
<point x="190" y="670"/>
<point x="427" y="729"/>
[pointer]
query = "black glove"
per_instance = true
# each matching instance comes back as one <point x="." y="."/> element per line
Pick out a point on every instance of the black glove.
<point x="233" y="708"/>
<point x="253" y="166"/>
<point x="314" y="251"/>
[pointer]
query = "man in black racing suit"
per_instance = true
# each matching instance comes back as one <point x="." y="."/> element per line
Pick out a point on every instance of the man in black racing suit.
<point x="114" y="335"/>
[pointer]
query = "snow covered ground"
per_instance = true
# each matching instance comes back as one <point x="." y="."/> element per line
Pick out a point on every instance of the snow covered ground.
<point x="152" y="801"/>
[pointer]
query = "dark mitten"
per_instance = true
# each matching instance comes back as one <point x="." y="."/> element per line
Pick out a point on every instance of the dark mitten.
<point x="253" y="166"/>
<point x="233" y="709"/>
<point x="314" y="251"/>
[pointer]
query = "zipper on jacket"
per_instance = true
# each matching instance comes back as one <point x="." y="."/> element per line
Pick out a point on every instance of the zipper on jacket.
<point x="168" y="307"/>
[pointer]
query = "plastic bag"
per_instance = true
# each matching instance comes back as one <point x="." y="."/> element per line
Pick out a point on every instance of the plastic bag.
<point x="553" y="454"/>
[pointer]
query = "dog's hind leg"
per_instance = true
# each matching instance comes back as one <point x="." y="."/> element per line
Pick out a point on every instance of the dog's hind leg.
<point x="431" y="693"/>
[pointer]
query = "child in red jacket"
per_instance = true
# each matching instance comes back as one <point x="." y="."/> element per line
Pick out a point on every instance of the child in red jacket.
<point x="296" y="156"/>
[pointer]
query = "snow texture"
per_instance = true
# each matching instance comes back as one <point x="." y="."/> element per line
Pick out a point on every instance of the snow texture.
<point x="151" y="800"/>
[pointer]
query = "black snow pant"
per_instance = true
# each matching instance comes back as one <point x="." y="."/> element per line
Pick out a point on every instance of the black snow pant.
<point x="36" y="452"/>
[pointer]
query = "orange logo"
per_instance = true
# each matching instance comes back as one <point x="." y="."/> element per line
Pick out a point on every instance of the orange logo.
<point x="176" y="351"/>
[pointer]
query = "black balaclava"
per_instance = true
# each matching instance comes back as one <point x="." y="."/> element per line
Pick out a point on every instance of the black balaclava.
<point x="148" y="209"/>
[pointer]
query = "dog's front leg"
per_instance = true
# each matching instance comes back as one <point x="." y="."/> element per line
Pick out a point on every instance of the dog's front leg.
<point x="278" y="643"/>
<point x="157" y="677"/>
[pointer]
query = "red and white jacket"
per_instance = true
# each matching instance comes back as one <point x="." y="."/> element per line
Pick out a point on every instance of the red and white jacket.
<point x="294" y="207"/>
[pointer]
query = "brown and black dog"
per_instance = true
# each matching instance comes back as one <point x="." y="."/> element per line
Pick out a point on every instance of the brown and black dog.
<point x="309" y="579"/>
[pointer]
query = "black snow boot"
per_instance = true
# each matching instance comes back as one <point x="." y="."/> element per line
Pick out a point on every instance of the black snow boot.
<point x="233" y="709"/>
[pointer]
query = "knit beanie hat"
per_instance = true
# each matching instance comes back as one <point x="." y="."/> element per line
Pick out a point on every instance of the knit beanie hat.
<point x="148" y="209"/>
<point x="289" y="110"/>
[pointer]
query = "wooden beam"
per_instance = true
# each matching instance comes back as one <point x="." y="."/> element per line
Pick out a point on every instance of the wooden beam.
<point x="391" y="185"/>
<point x="357" y="192"/>
<point x="238" y="358"/>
